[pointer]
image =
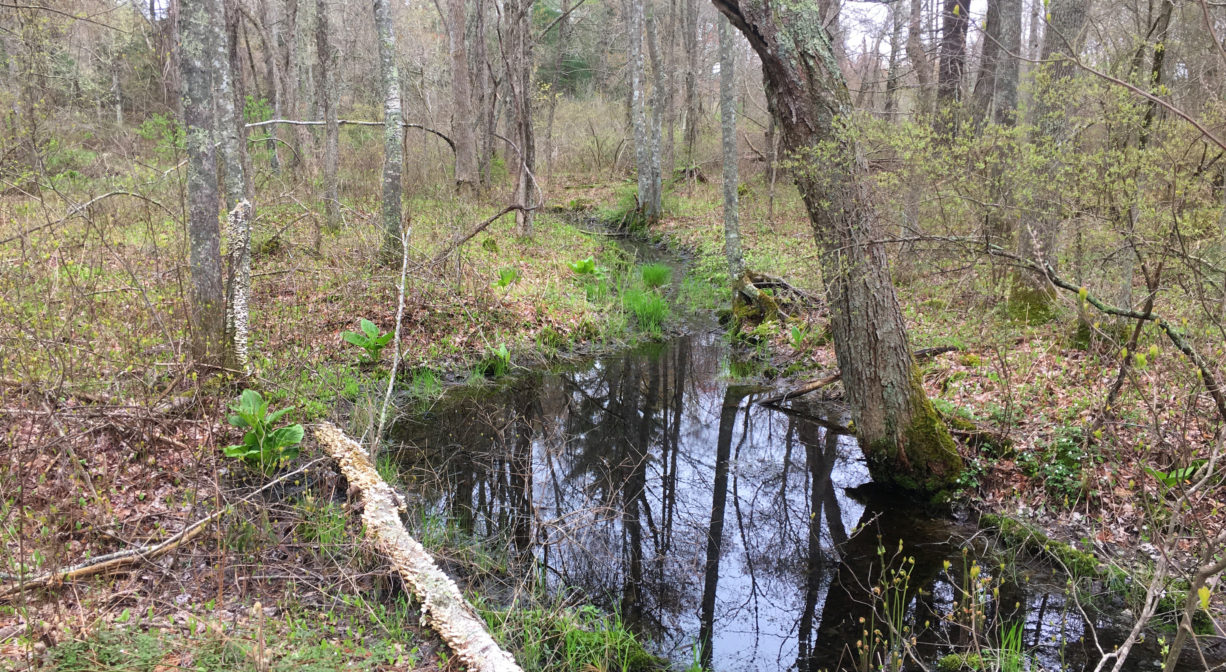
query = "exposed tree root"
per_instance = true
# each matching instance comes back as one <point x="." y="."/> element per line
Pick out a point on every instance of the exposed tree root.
<point x="445" y="608"/>
<point x="812" y="386"/>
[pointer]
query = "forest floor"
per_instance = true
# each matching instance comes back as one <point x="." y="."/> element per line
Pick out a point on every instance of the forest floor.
<point x="112" y="442"/>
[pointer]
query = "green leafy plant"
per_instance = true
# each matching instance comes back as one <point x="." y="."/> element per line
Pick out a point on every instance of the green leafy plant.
<point x="368" y="339"/>
<point x="506" y="277"/>
<point x="498" y="362"/>
<point x="586" y="267"/>
<point x="656" y="275"/>
<point x="800" y="334"/>
<point x="263" y="447"/>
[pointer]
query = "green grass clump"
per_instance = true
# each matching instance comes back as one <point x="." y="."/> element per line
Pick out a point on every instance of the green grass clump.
<point x="649" y="308"/>
<point x="556" y="637"/>
<point x="656" y="275"/>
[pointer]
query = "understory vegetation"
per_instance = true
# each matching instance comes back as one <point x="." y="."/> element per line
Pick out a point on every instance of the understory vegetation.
<point x="1064" y="295"/>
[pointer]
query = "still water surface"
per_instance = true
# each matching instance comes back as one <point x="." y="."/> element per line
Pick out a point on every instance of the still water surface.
<point x="658" y="489"/>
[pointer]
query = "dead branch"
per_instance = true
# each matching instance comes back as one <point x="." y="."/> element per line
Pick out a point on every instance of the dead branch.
<point x="120" y="560"/>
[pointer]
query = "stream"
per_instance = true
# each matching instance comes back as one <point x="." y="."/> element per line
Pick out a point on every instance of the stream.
<point x="657" y="489"/>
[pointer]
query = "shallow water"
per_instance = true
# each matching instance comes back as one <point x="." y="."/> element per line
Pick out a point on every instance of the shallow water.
<point x="657" y="489"/>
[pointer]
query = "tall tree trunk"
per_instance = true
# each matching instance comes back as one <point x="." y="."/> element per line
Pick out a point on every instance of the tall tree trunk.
<point x="690" y="40"/>
<point x="727" y="113"/>
<point x="197" y="54"/>
<point x="994" y="98"/>
<point x="639" y="118"/>
<point x="892" y="73"/>
<point x="272" y="73"/>
<point x="519" y="79"/>
<point x="657" y="108"/>
<point x="229" y="121"/>
<point x="484" y="98"/>
<point x="954" y="24"/>
<point x="1030" y="294"/>
<point x="232" y="136"/>
<point x="292" y="86"/>
<point x="461" y="100"/>
<point x="555" y="83"/>
<point x="904" y="440"/>
<point x="325" y="70"/>
<point x="918" y="55"/>
<point x="393" y="131"/>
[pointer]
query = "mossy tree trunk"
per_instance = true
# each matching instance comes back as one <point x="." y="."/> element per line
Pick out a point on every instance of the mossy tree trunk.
<point x="904" y="440"/>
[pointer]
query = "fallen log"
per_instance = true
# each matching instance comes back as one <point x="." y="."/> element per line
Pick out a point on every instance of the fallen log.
<point x="442" y="603"/>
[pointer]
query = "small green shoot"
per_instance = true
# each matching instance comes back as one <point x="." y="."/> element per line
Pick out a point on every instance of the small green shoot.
<point x="369" y="339"/>
<point x="506" y="277"/>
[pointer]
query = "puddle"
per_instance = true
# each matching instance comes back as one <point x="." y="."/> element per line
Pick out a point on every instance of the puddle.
<point x="648" y="483"/>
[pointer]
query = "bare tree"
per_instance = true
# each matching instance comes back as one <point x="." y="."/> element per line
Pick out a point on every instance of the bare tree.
<point x="995" y="95"/>
<point x="393" y="132"/>
<point x="903" y="438"/>
<point x="198" y="61"/>
<point x="325" y="70"/>
<point x="955" y="19"/>
<point x="727" y="112"/>
<point x="461" y="100"/>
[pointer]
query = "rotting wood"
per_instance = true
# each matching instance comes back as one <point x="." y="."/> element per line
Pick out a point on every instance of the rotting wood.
<point x="442" y="603"/>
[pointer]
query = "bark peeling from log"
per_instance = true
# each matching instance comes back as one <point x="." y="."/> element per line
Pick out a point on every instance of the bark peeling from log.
<point x="442" y="603"/>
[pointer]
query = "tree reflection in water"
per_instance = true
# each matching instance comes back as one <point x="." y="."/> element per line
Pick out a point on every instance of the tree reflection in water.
<point x="650" y="484"/>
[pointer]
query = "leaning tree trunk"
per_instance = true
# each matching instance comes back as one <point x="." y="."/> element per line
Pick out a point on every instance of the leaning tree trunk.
<point x="461" y="101"/>
<point x="904" y="440"/>
<point x="197" y="52"/>
<point x="727" y="113"/>
<point x="393" y="131"/>
<point x="325" y="70"/>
